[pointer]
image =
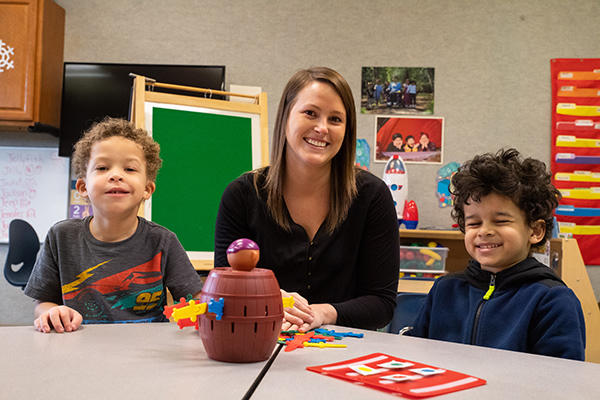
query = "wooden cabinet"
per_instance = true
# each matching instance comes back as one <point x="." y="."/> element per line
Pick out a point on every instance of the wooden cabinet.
<point x="31" y="62"/>
<point x="565" y="258"/>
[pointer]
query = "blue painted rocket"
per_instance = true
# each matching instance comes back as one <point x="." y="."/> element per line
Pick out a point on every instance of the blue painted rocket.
<point x="396" y="179"/>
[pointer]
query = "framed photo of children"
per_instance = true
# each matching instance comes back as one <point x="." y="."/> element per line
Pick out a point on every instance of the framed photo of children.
<point x="415" y="139"/>
<point x="397" y="90"/>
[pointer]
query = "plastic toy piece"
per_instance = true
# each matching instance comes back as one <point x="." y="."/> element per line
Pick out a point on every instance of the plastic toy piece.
<point x="298" y="340"/>
<point x="288" y="336"/>
<point x="168" y="311"/>
<point x="186" y="313"/>
<point x="216" y="307"/>
<point x="191" y="311"/>
<point x="288" y="302"/>
<point x="350" y="334"/>
<point x="328" y="332"/>
<point x="243" y="255"/>
<point x="316" y="338"/>
<point x="184" y="323"/>
<point x="323" y="345"/>
<point x="432" y="254"/>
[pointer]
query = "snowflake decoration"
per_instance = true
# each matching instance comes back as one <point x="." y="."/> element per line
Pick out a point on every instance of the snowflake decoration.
<point x="5" y="52"/>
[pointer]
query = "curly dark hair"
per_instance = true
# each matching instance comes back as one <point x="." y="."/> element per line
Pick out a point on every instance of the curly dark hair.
<point x="108" y="128"/>
<point x="523" y="180"/>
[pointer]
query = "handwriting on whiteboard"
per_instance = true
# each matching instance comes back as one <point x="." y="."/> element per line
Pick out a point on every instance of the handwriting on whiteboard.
<point x="33" y="186"/>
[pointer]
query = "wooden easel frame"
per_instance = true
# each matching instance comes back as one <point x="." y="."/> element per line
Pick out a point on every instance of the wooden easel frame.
<point x="140" y="95"/>
<point x="143" y="92"/>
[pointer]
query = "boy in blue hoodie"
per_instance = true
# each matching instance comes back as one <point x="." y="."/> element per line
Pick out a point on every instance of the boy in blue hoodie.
<point x="504" y="299"/>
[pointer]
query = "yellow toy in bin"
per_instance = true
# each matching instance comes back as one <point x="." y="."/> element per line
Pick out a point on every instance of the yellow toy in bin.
<point x="417" y="259"/>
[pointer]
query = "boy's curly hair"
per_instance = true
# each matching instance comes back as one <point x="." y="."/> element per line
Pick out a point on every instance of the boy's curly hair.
<point x="108" y="128"/>
<point x="525" y="181"/>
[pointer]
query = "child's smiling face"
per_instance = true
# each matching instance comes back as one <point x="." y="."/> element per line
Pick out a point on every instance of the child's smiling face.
<point x="497" y="234"/>
<point x="116" y="181"/>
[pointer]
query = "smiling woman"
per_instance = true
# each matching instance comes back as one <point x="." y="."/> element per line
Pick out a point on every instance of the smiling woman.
<point x="316" y="129"/>
<point x="327" y="229"/>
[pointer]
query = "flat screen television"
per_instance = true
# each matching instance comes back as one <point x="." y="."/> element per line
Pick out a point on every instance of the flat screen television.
<point x="92" y="91"/>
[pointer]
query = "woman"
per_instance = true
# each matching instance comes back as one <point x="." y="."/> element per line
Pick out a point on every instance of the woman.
<point x="425" y="144"/>
<point x="327" y="229"/>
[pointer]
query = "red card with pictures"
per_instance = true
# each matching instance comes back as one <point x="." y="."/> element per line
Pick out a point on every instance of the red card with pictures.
<point x="397" y="375"/>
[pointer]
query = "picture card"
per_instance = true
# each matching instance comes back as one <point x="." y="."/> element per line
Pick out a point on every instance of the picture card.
<point x="396" y="375"/>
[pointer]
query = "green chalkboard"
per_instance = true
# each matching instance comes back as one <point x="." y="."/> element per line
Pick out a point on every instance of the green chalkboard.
<point x="202" y="153"/>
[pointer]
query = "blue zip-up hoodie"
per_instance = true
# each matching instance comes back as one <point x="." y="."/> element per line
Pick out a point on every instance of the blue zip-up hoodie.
<point x="529" y="309"/>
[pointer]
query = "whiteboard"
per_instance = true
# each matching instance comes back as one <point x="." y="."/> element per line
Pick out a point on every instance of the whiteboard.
<point x="34" y="186"/>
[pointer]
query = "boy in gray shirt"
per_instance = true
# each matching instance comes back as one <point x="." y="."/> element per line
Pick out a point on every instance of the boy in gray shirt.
<point x="112" y="266"/>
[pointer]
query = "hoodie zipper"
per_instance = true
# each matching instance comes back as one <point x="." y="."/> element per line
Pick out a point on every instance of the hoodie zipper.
<point x="486" y="297"/>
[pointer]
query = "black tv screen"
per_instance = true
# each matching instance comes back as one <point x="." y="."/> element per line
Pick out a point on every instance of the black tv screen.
<point x="92" y="91"/>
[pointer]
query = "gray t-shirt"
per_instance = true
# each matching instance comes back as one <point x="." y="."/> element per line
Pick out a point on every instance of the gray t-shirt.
<point x="112" y="282"/>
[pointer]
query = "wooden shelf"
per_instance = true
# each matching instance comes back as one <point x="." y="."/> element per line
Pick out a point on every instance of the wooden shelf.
<point x="431" y="234"/>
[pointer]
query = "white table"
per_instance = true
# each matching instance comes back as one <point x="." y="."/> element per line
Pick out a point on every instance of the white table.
<point x="159" y="361"/>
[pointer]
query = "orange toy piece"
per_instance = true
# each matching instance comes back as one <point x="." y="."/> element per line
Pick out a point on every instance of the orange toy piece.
<point x="299" y="340"/>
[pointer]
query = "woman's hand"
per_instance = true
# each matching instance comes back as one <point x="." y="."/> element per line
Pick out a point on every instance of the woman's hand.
<point x="304" y="317"/>
<point x="298" y="315"/>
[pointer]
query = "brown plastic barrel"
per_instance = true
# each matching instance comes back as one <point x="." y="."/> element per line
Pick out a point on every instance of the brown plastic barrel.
<point x="252" y="315"/>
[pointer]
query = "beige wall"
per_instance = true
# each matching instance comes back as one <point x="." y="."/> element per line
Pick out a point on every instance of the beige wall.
<point x="491" y="58"/>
